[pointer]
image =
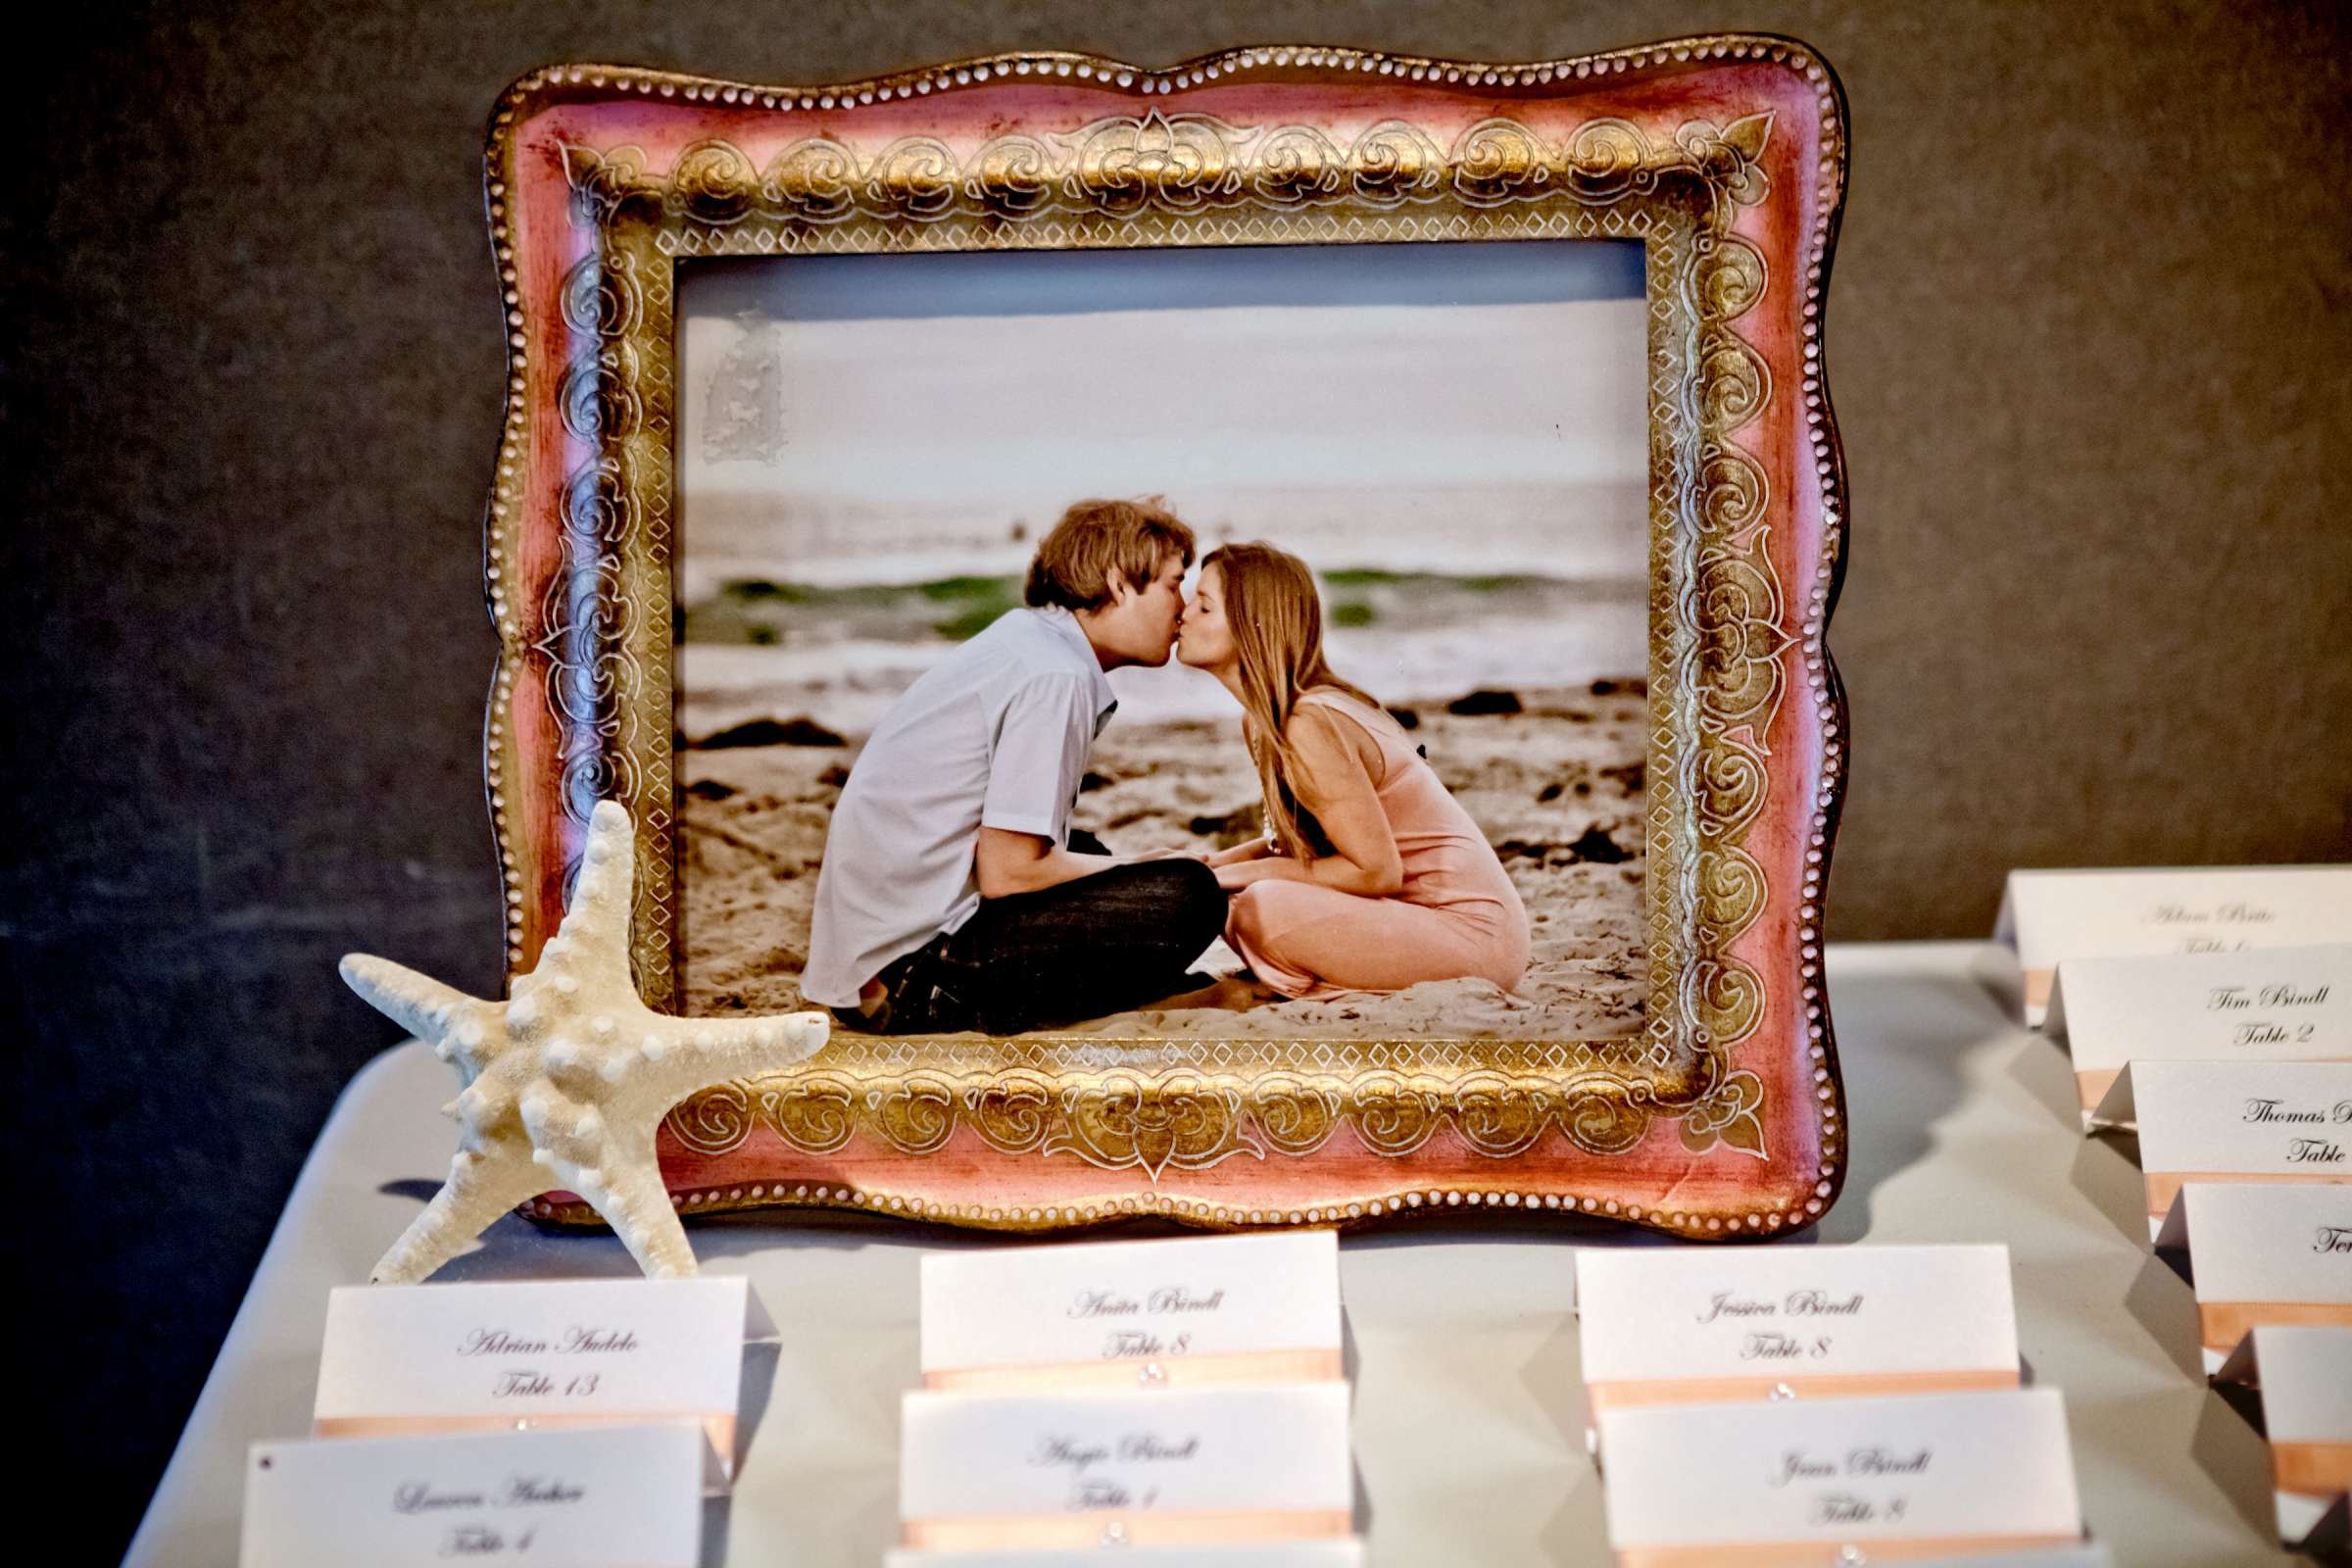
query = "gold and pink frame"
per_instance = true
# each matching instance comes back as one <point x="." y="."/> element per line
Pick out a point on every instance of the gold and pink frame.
<point x="1724" y="157"/>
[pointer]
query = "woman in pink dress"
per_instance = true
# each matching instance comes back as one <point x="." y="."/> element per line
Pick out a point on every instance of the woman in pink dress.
<point x="1370" y="876"/>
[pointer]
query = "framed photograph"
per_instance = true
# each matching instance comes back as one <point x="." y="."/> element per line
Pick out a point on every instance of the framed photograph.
<point x="1255" y="633"/>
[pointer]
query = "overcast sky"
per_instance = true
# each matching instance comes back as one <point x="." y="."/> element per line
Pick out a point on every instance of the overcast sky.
<point x="1020" y="380"/>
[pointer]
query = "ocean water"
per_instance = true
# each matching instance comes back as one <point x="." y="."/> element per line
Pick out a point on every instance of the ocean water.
<point x="799" y="604"/>
<point x="841" y="655"/>
<point x="1593" y="530"/>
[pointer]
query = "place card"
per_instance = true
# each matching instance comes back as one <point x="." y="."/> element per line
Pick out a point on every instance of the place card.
<point x="2224" y="1121"/>
<point x="1254" y="1554"/>
<point x="1695" y="1485"/>
<point x="2051" y="915"/>
<point x="2305" y="1377"/>
<point x="1708" y="1325"/>
<point x="2272" y="1005"/>
<point x="624" y="1497"/>
<point x="1128" y="1467"/>
<point x="415" y="1358"/>
<point x="1220" y="1310"/>
<point x="2089" y="1555"/>
<point x="2261" y="1254"/>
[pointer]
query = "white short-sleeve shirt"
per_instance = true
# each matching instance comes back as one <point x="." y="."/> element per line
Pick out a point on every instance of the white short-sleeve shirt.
<point x="993" y="735"/>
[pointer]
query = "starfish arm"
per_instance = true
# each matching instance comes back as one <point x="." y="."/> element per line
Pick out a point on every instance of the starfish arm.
<point x="478" y="1191"/>
<point x="631" y="1198"/>
<point x="419" y="1004"/>
<point x="597" y="920"/>
<point x="697" y="1052"/>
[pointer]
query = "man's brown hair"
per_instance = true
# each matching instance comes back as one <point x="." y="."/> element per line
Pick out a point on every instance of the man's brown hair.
<point x="1073" y="563"/>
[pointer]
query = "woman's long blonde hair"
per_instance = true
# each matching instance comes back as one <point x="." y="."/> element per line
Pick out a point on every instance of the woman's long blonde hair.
<point x="1277" y="620"/>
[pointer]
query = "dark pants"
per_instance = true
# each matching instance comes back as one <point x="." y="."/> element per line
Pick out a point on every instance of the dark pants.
<point x="1101" y="944"/>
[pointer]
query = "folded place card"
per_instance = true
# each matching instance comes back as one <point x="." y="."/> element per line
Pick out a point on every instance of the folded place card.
<point x="2051" y="915"/>
<point x="1221" y="1310"/>
<point x="2233" y="1121"/>
<point x="2262" y="1254"/>
<point x="1159" y="1467"/>
<point x="1917" y="1475"/>
<point x="1268" y="1554"/>
<point x="2087" y="1554"/>
<point x="2305" y="1377"/>
<point x="622" y="1496"/>
<point x="414" y="1359"/>
<point x="1669" y="1326"/>
<point x="2272" y="1005"/>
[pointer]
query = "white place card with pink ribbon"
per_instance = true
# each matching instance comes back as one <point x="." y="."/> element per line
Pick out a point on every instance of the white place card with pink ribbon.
<point x="2266" y="1005"/>
<point x="2089" y="1555"/>
<point x="1250" y="1554"/>
<point x="1681" y="1325"/>
<point x="2048" y="916"/>
<point x="1695" y="1486"/>
<point x="1162" y="1467"/>
<point x="599" y="1497"/>
<point x="2234" y="1121"/>
<point x="2262" y="1254"/>
<point x="402" y="1359"/>
<point x="2305" y="1379"/>
<point x="1218" y="1309"/>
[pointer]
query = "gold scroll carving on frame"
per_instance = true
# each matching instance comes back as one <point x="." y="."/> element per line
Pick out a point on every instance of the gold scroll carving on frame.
<point x="1718" y="621"/>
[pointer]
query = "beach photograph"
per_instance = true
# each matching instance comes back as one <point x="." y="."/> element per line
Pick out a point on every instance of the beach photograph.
<point x="1454" y="438"/>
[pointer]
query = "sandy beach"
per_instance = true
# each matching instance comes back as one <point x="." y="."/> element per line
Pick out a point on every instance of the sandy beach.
<point x="1558" y="786"/>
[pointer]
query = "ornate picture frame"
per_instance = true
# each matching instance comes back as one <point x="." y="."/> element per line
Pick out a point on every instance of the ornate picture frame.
<point x="1723" y="155"/>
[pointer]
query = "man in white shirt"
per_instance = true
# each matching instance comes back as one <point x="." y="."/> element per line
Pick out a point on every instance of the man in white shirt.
<point x="952" y="894"/>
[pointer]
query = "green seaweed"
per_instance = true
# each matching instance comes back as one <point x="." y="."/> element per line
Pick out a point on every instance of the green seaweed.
<point x="758" y="588"/>
<point x="761" y="610"/>
<point x="998" y="588"/>
<point x="1381" y="577"/>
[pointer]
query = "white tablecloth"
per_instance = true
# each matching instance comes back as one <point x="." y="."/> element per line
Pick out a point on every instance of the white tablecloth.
<point x="1469" y="1436"/>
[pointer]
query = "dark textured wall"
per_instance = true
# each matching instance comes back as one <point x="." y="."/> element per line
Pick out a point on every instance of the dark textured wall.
<point x="2088" y="341"/>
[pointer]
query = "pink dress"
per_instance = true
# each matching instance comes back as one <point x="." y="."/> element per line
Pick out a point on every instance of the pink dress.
<point x="1457" y="913"/>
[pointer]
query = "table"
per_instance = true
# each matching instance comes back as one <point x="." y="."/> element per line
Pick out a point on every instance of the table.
<point x="1469" y="1434"/>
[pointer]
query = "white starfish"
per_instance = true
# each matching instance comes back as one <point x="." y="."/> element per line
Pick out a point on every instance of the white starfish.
<point x="565" y="1083"/>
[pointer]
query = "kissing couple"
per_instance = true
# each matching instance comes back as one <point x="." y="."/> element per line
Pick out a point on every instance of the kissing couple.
<point x="953" y="894"/>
